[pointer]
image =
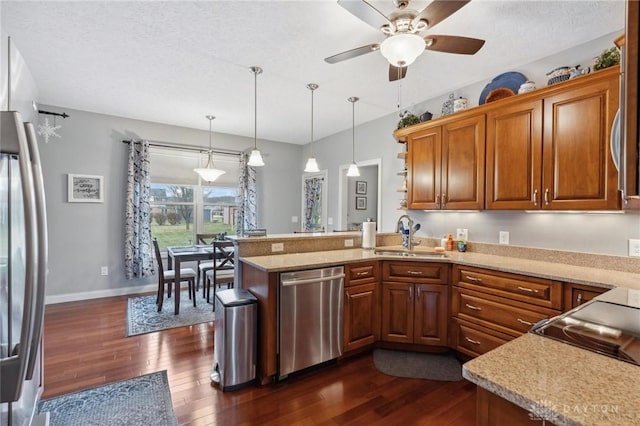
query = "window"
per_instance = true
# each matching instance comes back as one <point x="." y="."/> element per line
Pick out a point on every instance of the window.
<point x="181" y="205"/>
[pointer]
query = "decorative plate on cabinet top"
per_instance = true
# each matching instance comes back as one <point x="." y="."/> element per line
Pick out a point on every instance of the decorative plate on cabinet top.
<point x="509" y="80"/>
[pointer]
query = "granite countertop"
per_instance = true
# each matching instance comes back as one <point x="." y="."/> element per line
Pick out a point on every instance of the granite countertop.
<point x="557" y="271"/>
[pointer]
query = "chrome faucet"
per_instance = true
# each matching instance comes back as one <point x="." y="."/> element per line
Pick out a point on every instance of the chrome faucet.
<point x="406" y="243"/>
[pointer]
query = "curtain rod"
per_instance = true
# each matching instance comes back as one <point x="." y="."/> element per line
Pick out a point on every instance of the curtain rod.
<point x="195" y="148"/>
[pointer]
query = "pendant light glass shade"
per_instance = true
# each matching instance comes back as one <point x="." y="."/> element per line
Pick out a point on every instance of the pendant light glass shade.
<point x="312" y="164"/>
<point x="255" y="159"/>
<point x="353" y="168"/>
<point x="209" y="173"/>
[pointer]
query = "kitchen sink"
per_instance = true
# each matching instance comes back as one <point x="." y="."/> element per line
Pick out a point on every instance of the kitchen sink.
<point x="421" y="254"/>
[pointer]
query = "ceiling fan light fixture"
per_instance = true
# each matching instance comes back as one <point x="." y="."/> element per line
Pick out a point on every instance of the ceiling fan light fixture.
<point x="209" y="173"/>
<point x="402" y="48"/>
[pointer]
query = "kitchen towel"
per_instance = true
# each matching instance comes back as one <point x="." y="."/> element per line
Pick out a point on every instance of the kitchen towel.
<point x="368" y="235"/>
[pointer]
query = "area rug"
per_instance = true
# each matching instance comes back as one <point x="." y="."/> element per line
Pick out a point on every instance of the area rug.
<point x="144" y="400"/>
<point x="415" y="365"/>
<point x="143" y="316"/>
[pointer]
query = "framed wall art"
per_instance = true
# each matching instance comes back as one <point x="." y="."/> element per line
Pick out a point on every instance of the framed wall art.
<point x="85" y="189"/>
<point x="361" y="187"/>
<point x="361" y="203"/>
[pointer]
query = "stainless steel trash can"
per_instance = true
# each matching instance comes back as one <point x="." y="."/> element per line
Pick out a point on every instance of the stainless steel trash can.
<point x="235" y="339"/>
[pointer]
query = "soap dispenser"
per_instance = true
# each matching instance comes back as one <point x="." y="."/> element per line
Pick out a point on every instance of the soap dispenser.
<point x="451" y="245"/>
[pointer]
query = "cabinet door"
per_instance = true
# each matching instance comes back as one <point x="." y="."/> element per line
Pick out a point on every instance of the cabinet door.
<point x="578" y="171"/>
<point x="514" y="156"/>
<point x="361" y="318"/>
<point x="397" y="312"/>
<point x="430" y="325"/>
<point x="463" y="164"/>
<point x="577" y="294"/>
<point x="423" y="162"/>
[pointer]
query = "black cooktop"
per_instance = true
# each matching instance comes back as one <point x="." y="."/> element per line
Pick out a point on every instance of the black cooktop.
<point x="603" y="327"/>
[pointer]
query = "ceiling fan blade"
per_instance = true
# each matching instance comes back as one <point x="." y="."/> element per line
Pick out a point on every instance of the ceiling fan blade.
<point x="352" y="53"/>
<point x="365" y="12"/>
<point x="397" y="73"/>
<point x="453" y="44"/>
<point x="439" y="10"/>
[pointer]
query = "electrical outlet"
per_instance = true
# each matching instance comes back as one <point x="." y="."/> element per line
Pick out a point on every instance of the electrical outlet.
<point x="277" y="247"/>
<point x="462" y="234"/>
<point x="330" y="221"/>
<point x="294" y="219"/>
<point x="504" y="237"/>
<point x="104" y="270"/>
<point x="634" y="247"/>
<point x="348" y="243"/>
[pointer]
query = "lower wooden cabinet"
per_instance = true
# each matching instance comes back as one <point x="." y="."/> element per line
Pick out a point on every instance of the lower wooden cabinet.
<point x="577" y="294"/>
<point x="472" y="340"/>
<point x="361" y="316"/>
<point x="493" y="410"/>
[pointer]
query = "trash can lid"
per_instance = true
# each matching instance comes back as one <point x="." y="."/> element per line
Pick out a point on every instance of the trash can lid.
<point x="235" y="297"/>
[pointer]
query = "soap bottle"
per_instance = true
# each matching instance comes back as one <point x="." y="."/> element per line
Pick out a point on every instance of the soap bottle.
<point x="451" y="245"/>
<point x="443" y="242"/>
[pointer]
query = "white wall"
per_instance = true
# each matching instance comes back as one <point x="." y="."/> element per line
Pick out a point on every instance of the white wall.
<point x="368" y="174"/>
<point x="594" y="233"/>
<point x="85" y="236"/>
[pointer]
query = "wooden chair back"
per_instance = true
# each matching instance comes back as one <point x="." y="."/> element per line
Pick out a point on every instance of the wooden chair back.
<point x="158" y="261"/>
<point x="206" y="238"/>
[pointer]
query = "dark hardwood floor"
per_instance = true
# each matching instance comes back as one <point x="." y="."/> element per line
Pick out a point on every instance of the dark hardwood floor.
<point x="85" y="345"/>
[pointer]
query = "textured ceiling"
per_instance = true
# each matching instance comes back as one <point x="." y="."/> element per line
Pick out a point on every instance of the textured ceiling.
<point x="175" y="62"/>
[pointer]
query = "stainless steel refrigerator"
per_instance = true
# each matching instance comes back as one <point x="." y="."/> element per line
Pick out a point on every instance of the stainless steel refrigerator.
<point x="23" y="248"/>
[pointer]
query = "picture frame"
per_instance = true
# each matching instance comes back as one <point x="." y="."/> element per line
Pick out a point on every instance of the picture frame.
<point x="361" y="187"/>
<point x="85" y="188"/>
<point x="361" y="203"/>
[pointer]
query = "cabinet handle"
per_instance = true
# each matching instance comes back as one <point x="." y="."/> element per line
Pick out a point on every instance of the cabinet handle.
<point x="359" y="274"/>
<point x="437" y="201"/>
<point x="475" y="342"/>
<point x="535" y="197"/>
<point x="410" y="292"/>
<point x="474" y="279"/>
<point x="530" y="290"/>
<point x="579" y="300"/>
<point x="546" y="196"/>
<point x="521" y="321"/>
<point x="444" y="199"/>
<point x="414" y="272"/>
<point x="475" y="308"/>
<point x="418" y="293"/>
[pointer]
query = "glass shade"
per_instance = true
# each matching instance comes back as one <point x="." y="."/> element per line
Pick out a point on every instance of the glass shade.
<point x="353" y="170"/>
<point x="312" y="166"/>
<point x="402" y="49"/>
<point x="255" y="159"/>
<point x="209" y="173"/>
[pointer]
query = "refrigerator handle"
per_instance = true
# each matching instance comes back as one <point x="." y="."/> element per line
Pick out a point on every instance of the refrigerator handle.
<point x="42" y="247"/>
<point x="13" y="368"/>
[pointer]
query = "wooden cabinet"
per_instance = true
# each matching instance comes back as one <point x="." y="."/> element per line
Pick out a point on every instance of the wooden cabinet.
<point x="492" y="409"/>
<point x="489" y="308"/>
<point x="550" y="150"/>
<point x="445" y="165"/>
<point x="361" y="305"/>
<point x="414" y="303"/>
<point x="577" y="294"/>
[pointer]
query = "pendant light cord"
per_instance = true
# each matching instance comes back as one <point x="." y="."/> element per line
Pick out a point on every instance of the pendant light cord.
<point x="210" y="152"/>
<point x="255" y="110"/>
<point x="312" y="87"/>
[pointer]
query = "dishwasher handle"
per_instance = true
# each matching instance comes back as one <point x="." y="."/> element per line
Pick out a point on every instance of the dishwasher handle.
<point x="287" y="283"/>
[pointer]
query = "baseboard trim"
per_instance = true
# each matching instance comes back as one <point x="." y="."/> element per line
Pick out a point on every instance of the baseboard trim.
<point x="86" y="295"/>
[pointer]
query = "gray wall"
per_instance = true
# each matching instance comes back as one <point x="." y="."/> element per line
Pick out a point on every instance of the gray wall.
<point x="368" y="174"/>
<point x="605" y="233"/>
<point x="85" y="236"/>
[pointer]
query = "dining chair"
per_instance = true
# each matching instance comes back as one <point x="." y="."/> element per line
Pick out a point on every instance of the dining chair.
<point x="168" y="277"/>
<point x="223" y="267"/>
<point x="204" y="265"/>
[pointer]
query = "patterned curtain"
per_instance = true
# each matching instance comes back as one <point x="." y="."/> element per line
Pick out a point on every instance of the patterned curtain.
<point x="312" y="203"/>
<point x="138" y="258"/>
<point x="247" y="214"/>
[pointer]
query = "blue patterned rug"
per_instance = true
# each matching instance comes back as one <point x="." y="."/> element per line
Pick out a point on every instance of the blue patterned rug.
<point x="143" y="316"/>
<point x="144" y="400"/>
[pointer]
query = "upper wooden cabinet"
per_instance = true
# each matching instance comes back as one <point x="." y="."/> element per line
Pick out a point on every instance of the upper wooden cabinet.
<point x="446" y="165"/>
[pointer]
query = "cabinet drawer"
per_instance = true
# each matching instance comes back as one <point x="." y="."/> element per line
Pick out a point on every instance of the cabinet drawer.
<point x="503" y="317"/>
<point x="537" y="291"/>
<point x="473" y="341"/>
<point x="416" y="272"/>
<point x="361" y="273"/>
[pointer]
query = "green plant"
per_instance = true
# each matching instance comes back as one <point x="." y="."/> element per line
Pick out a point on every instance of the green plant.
<point x="607" y="59"/>
<point x="407" y="119"/>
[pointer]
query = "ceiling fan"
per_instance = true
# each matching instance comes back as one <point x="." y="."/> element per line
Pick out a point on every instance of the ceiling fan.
<point x="403" y="44"/>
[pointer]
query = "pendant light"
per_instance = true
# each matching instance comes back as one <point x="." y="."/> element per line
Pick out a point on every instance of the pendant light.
<point x="255" y="159"/>
<point x="209" y="173"/>
<point x="353" y="168"/>
<point x="312" y="164"/>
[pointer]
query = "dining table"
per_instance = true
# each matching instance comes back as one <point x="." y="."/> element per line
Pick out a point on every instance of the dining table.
<point x="178" y="254"/>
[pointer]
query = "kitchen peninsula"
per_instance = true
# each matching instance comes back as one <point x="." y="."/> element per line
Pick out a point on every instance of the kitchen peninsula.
<point x="260" y="273"/>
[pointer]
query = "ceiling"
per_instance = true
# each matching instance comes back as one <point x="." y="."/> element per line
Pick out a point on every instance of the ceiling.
<point x="175" y="62"/>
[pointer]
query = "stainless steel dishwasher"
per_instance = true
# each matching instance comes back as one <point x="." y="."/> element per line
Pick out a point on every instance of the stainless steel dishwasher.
<point x="310" y="318"/>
